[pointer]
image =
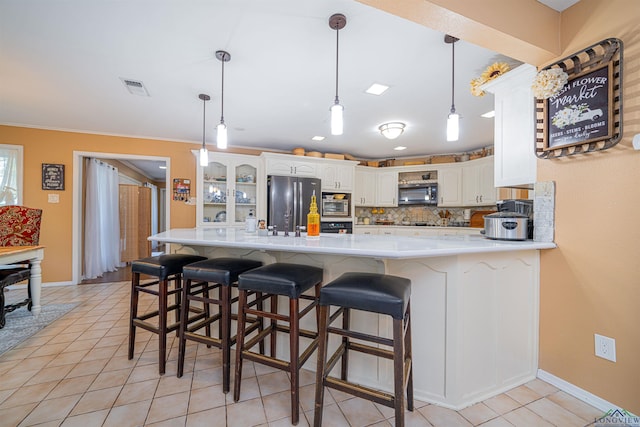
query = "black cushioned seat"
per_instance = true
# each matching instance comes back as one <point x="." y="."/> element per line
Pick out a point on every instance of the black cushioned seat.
<point x="219" y="270"/>
<point x="200" y="278"/>
<point x="270" y="282"/>
<point x="290" y="280"/>
<point x="165" y="268"/>
<point x="378" y="293"/>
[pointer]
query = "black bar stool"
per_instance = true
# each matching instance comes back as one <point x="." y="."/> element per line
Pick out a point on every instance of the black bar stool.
<point x="166" y="268"/>
<point x="377" y="293"/>
<point x="200" y="278"/>
<point x="289" y="280"/>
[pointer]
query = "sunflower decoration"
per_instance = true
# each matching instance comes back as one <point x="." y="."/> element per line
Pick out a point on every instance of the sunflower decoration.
<point x="475" y="87"/>
<point x="491" y="72"/>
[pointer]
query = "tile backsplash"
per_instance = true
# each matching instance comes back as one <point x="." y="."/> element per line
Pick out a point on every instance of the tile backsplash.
<point x="428" y="214"/>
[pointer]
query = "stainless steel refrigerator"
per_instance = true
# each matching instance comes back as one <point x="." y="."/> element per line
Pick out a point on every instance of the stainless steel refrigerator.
<point x="288" y="200"/>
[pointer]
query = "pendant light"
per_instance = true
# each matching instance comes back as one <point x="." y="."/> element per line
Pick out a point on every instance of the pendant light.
<point x="221" y="138"/>
<point x="337" y="22"/>
<point x="454" y="118"/>
<point x="204" y="154"/>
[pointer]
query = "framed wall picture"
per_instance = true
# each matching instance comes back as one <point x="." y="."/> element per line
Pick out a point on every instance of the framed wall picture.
<point x="581" y="113"/>
<point x="586" y="114"/>
<point x="52" y="176"/>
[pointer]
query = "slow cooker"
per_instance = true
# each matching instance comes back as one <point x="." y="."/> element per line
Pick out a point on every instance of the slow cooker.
<point x="506" y="226"/>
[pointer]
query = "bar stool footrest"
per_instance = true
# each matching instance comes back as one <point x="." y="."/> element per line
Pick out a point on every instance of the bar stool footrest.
<point x="361" y="391"/>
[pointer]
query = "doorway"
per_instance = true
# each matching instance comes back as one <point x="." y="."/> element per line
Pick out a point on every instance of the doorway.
<point x="78" y="201"/>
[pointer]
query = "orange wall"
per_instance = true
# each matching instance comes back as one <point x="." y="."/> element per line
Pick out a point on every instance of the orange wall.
<point x="591" y="283"/>
<point x="45" y="146"/>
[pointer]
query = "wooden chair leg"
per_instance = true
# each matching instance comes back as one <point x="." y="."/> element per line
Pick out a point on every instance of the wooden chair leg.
<point x="274" y="333"/>
<point x="242" y="302"/>
<point x="2" y="318"/>
<point x="182" y="339"/>
<point x="398" y="370"/>
<point x="294" y="353"/>
<point x="207" y="309"/>
<point x="344" y="360"/>
<point x="323" y="311"/>
<point x="163" y="286"/>
<point x="225" y="321"/>
<point x="177" y="285"/>
<point x="409" y="357"/>
<point x="133" y="312"/>
<point x="260" y="307"/>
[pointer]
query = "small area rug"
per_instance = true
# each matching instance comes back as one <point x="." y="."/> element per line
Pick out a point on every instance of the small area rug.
<point x="21" y="324"/>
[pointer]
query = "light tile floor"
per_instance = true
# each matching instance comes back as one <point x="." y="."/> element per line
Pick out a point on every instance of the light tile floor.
<point x="75" y="372"/>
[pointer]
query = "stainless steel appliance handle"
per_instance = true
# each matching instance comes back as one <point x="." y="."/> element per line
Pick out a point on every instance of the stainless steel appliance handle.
<point x="295" y="205"/>
<point x="300" y="213"/>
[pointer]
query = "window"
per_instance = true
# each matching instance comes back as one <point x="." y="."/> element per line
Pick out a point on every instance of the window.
<point x="10" y="174"/>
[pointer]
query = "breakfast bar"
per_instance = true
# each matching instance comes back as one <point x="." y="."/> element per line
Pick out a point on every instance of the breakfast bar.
<point x="475" y="301"/>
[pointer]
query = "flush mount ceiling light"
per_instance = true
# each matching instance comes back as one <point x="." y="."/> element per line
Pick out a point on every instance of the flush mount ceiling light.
<point x="377" y="89"/>
<point x="392" y="130"/>
<point x="400" y="148"/>
<point x="204" y="154"/>
<point x="337" y="22"/>
<point x="488" y="114"/>
<point x="221" y="138"/>
<point x="318" y="138"/>
<point x="454" y="118"/>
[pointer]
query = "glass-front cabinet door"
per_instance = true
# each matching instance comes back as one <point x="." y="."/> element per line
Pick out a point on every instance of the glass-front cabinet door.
<point x="227" y="190"/>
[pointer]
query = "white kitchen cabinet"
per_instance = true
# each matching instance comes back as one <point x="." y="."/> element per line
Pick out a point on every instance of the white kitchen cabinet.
<point x="514" y="123"/>
<point x="387" y="191"/>
<point x="375" y="187"/>
<point x="477" y="182"/>
<point x="336" y="177"/>
<point x="227" y="189"/>
<point x="288" y="165"/>
<point x="449" y="185"/>
<point x="365" y="189"/>
<point x="365" y="230"/>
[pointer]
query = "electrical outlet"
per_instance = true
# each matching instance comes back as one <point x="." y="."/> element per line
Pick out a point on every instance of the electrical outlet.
<point x="605" y="347"/>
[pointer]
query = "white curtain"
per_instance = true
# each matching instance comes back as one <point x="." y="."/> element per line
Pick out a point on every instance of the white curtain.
<point x="154" y="212"/>
<point x="8" y="177"/>
<point x="101" y="220"/>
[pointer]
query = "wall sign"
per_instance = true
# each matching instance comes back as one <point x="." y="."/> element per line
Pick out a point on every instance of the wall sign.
<point x="580" y="113"/>
<point x="586" y="115"/>
<point x="52" y="176"/>
<point x="181" y="189"/>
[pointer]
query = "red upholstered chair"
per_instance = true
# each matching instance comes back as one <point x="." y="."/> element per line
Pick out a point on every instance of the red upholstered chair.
<point x="19" y="226"/>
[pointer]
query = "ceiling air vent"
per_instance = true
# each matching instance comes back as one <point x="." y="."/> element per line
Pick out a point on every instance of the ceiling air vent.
<point x="135" y="87"/>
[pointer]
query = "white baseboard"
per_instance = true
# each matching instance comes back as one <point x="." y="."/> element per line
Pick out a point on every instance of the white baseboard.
<point x="44" y="285"/>
<point x="52" y="284"/>
<point x="577" y="392"/>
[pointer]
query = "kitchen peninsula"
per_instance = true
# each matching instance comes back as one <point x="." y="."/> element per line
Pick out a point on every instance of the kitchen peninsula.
<point x="475" y="301"/>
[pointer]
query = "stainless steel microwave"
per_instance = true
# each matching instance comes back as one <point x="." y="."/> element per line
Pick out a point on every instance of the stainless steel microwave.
<point x="335" y="207"/>
<point x="418" y="194"/>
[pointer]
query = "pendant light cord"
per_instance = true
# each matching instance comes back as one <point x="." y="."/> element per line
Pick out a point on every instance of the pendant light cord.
<point x="204" y="120"/>
<point x="453" y="67"/>
<point x="222" y="92"/>
<point x="337" y="101"/>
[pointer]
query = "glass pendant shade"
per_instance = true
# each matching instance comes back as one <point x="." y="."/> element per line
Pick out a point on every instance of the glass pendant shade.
<point x="221" y="139"/>
<point x="337" y="123"/>
<point x="453" y="126"/>
<point x="204" y="157"/>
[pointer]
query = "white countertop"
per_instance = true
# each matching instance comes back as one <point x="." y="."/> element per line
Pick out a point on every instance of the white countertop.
<point x="393" y="247"/>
